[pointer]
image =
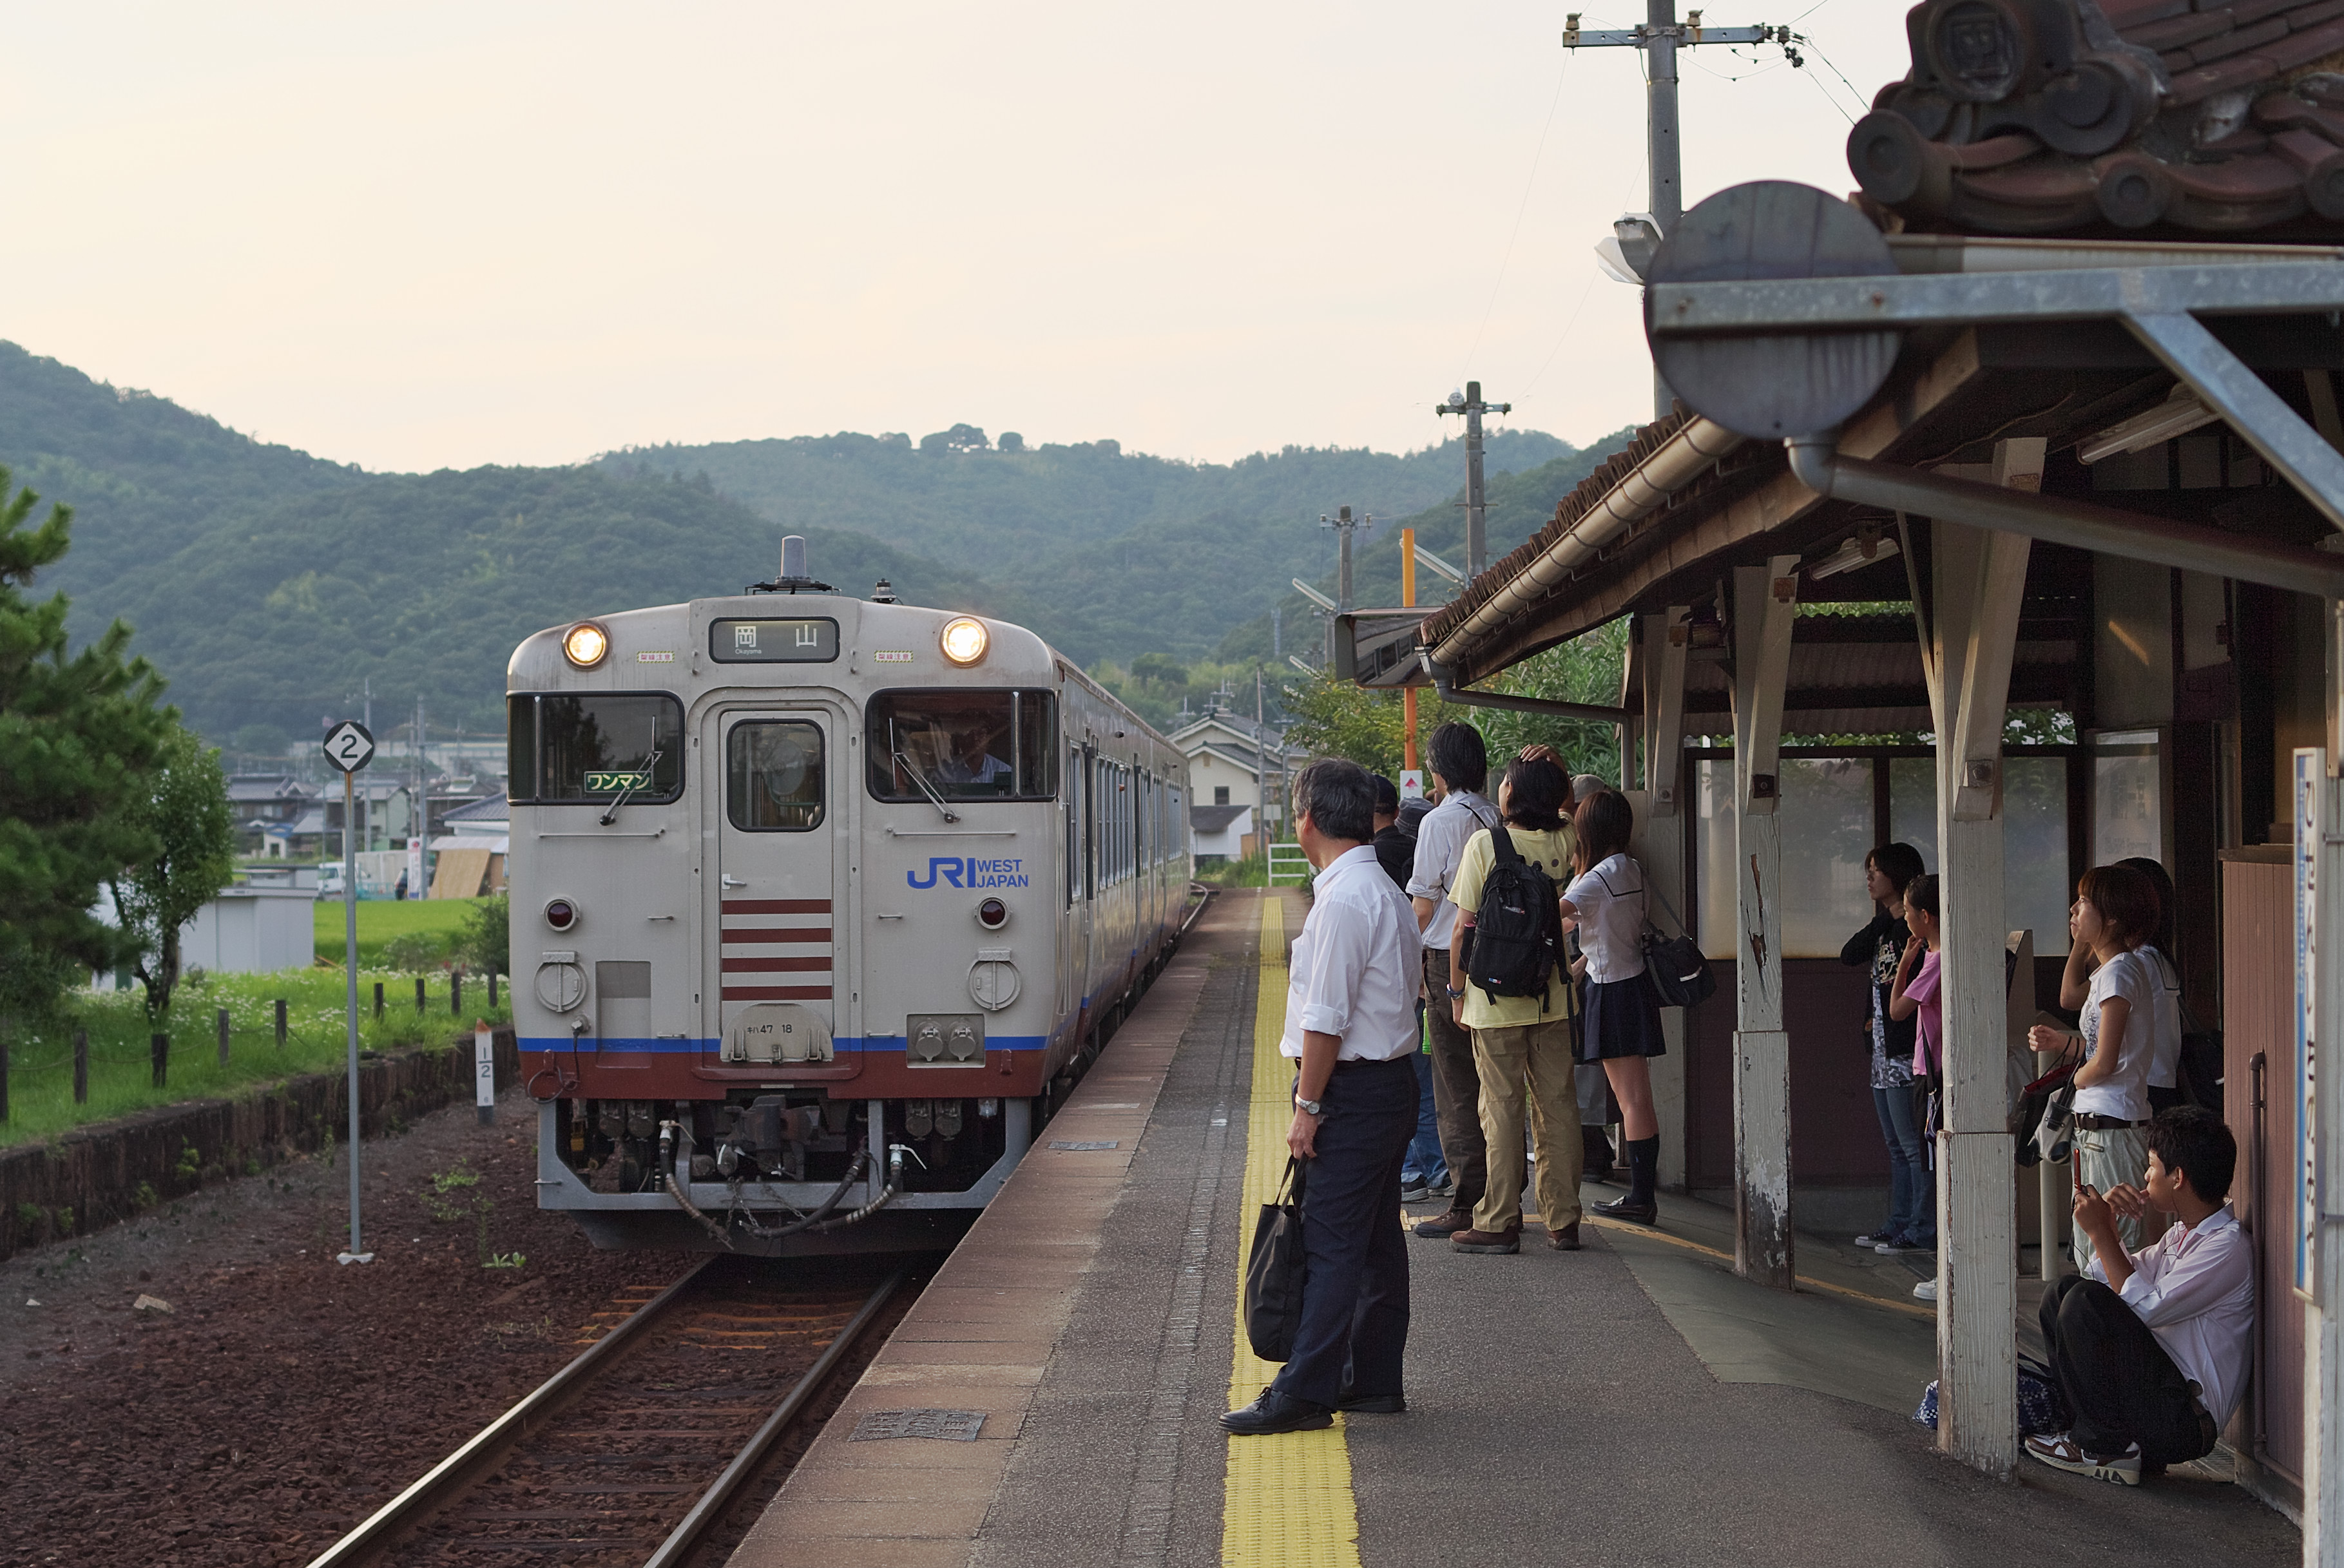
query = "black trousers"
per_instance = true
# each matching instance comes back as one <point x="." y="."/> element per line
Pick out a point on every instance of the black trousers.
<point x="2119" y="1382"/>
<point x="1355" y="1293"/>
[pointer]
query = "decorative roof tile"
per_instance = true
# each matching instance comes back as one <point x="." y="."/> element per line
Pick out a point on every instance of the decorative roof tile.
<point x="2067" y="116"/>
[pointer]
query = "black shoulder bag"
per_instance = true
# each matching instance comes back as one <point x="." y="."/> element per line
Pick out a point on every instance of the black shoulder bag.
<point x="1274" y="1272"/>
<point x="1679" y="973"/>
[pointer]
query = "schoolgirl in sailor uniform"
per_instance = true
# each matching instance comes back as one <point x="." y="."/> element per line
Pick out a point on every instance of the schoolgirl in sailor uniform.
<point x="1621" y="1015"/>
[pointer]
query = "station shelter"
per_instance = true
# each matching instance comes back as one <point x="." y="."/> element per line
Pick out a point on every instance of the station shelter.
<point x="2006" y="530"/>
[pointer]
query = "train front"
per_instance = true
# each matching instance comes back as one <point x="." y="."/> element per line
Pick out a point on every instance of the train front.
<point x="785" y="926"/>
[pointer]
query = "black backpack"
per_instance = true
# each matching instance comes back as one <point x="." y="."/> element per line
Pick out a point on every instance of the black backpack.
<point x="1517" y="930"/>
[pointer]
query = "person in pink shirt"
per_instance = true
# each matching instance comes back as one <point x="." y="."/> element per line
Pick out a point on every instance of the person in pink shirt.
<point x="1916" y="991"/>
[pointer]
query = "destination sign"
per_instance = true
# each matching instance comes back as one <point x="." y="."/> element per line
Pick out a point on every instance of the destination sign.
<point x="616" y="781"/>
<point x="812" y="641"/>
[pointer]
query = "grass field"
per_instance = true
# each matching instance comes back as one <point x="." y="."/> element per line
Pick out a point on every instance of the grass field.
<point x="383" y="920"/>
<point x="40" y="1060"/>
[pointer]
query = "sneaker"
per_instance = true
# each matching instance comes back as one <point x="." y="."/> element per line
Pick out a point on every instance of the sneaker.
<point x="1893" y="1244"/>
<point x="1445" y="1224"/>
<point x="2063" y="1453"/>
<point x="1510" y="1240"/>
<point x="1875" y="1240"/>
<point x="1444" y="1187"/>
<point x="1414" y="1189"/>
<point x="1926" y="1291"/>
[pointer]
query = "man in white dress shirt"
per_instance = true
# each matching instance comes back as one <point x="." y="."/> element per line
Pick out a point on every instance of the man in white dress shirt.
<point x="1461" y="766"/>
<point x="1350" y="1030"/>
<point x="2151" y="1348"/>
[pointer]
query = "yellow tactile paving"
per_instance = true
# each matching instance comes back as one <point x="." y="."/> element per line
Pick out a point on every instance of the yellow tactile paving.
<point x="1286" y="1500"/>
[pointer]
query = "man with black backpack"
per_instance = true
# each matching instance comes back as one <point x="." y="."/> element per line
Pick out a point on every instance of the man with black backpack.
<point x="1509" y="985"/>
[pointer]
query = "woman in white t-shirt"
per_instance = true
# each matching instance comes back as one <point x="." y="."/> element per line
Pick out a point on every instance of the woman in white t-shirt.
<point x="1621" y="1017"/>
<point x="2114" y="911"/>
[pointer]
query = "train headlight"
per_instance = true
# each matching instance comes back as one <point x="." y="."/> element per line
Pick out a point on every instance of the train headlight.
<point x="586" y="645"/>
<point x="965" y="639"/>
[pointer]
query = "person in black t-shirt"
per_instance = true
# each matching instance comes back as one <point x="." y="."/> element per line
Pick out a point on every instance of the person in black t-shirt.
<point x="1912" y="1193"/>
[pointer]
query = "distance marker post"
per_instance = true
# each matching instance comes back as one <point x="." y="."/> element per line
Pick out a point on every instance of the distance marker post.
<point x="349" y="747"/>
<point x="484" y="1072"/>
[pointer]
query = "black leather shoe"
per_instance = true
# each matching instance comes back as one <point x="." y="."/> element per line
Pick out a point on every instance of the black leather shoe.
<point x="1628" y="1209"/>
<point x="1370" y="1404"/>
<point x="1277" y="1413"/>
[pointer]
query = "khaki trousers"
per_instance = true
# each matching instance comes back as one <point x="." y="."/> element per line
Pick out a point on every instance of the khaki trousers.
<point x="1456" y="1086"/>
<point x="1528" y="1067"/>
<point x="2105" y="1158"/>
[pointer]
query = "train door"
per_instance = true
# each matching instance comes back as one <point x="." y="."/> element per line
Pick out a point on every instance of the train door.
<point x="1073" y="907"/>
<point x="781" y="835"/>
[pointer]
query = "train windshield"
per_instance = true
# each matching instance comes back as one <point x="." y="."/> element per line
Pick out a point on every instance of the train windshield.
<point x="963" y="745"/>
<point x="594" y="749"/>
<point x="773" y="775"/>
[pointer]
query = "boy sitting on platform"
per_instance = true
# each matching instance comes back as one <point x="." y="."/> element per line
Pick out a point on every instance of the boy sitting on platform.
<point x="2151" y="1347"/>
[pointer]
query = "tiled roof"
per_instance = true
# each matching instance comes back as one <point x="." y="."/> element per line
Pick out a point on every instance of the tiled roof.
<point x="1568" y="511"/>
<point x="2043" y="117"/>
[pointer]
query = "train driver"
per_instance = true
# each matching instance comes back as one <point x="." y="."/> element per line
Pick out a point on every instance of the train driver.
<point x="972" y="761"/>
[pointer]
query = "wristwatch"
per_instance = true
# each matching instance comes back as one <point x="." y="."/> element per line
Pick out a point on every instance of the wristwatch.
<point x="1309" y="1107"/>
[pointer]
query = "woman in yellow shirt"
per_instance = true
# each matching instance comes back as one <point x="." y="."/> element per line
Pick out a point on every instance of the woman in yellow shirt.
<point x="1522" y="1045"/>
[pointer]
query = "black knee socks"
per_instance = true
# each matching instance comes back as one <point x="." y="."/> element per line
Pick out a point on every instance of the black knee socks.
<point x="1643" y="1168"/>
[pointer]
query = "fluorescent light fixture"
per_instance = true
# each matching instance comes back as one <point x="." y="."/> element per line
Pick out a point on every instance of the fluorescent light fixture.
<point x="1434" y="564"/>
<point x="2181" y="412"/>
<point x="1853" y="552"/>
<point x="1313" y="595"/>
<point x="1295" y="660"/>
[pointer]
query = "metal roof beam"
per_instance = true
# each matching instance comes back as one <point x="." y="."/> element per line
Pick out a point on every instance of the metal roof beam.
<point x="1972" y="298"/>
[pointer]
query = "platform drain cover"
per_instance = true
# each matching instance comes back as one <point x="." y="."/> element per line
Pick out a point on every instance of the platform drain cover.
<point x="1081" y="1143"/>
<point x="952" y="1426"/>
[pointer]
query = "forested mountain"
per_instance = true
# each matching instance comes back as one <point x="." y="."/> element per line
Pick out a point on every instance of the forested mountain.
<point x="267" y="585"/>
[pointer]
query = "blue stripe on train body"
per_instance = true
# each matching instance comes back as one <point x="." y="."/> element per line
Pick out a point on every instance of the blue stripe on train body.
<point x="677" y="1045"/>
<point x="968" y="871"/>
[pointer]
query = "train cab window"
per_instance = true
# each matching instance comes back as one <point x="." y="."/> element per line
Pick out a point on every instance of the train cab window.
<point x="591" y="749"/>
<point x="963" y="745"/>
<point x="773" y="775"/>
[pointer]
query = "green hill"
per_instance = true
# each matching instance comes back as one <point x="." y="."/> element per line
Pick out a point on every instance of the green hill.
<point x="268" y="585"/>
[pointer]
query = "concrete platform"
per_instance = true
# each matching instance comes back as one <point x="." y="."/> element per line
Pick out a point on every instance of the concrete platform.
<point x="1633" y="1402"/>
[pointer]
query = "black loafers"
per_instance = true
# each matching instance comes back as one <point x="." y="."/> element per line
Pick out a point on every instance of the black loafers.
<point x="1628" y="1209"/>
<point x="1277" y="1413"/>
<point x="1370" y="1404"/>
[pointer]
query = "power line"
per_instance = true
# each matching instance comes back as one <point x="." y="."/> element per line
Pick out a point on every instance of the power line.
<point x="1522" y="208"/>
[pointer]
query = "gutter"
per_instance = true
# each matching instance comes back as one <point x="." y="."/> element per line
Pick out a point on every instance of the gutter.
<point x="1819" y="465"/>
<point x="1595" y="710"/>
<point x="1640" y="492"/>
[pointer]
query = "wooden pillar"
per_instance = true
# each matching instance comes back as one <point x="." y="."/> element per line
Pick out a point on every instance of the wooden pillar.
<point x="1765" y="601"/>
<point x="2317" y="833"/>
<point x="1969" y="635"/>
<point x="1660" y="849"/>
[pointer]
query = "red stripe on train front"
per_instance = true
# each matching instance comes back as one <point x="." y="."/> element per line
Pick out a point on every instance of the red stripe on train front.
<point x="776" y="994"/>
<point x="776" y="906"/>
<point x="769" y="935"/>
<point x="815" y="966"/>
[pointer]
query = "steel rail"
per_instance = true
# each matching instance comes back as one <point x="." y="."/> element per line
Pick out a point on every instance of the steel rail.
<point x="453" y="1473"/>
<point x="718" y="1496"/>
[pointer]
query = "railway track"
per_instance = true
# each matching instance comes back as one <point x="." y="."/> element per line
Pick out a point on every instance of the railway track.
<point x="631" y="1454"/>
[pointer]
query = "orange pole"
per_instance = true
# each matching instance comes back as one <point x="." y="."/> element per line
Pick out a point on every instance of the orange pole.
<point x="1408" y="601"/>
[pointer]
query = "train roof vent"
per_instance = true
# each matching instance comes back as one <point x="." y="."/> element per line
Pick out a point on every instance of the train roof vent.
<point x="792" y="578"/>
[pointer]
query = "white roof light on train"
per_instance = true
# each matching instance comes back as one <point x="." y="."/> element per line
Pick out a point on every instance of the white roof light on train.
<point x="964" y="640"/>
<point x="586" y="645"/>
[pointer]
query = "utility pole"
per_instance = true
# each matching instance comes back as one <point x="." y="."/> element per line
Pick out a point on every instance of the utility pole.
<point x="1260" y="773"/>
<point x="1477" y="501"/>
<point x="1661" y="38"/>
<point x="1344" y="524"/>
<point x="1407" y="694"/>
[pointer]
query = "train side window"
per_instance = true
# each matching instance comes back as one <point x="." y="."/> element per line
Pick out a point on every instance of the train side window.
<point x="773" y="775"/>
<point x="961" y="744"/>
<point x="593" y="748"/>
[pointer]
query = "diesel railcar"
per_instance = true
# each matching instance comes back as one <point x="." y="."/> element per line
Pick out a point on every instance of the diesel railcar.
<point x="817" y="902"/>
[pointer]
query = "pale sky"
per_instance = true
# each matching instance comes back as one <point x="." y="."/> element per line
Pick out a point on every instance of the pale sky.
<point x="439" y="234"/>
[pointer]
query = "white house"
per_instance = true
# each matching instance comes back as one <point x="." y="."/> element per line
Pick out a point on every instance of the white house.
<point x="1229" y="757"/>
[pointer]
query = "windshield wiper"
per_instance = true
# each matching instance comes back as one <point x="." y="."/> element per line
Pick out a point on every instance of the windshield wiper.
<point x="642" y="777"/>
<point x="920" y="779"/>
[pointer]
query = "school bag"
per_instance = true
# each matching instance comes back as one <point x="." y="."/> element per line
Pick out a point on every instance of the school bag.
<point x="1517" y="930"/>
<point x="1678" y="973"/>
